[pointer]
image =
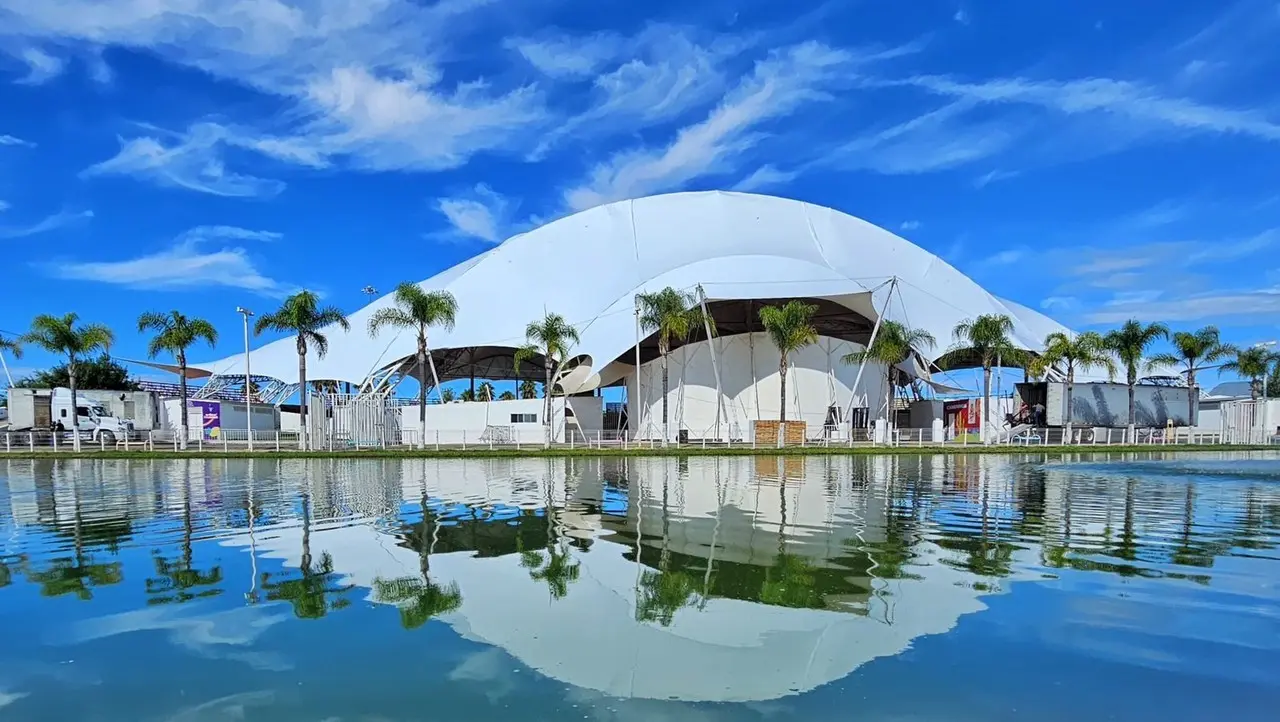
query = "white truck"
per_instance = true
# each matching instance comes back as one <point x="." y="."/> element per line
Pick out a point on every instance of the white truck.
<point x="50" y="410"/>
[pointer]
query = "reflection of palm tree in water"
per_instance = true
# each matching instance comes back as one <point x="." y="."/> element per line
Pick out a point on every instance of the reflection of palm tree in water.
<point x="557" y="569"/>
<point x="419" y="600"/>
<point x="79" y="574"/>
<point x="791" y="581"/>
<point x="177" y="578"/>
<point x="310" y="592"/>
<point x="666" y="591"/>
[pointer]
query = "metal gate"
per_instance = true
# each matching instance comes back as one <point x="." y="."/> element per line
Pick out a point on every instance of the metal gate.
<point x="359" y="421"/>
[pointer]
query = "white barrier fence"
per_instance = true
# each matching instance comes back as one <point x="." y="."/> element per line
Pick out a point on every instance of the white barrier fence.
<point x="518" y="438"/>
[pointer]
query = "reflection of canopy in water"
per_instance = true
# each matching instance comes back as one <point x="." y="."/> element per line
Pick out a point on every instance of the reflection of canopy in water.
<point x="729" y="650"/>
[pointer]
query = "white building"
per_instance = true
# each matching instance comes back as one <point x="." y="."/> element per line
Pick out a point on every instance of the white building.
<point x="733" y="252"/>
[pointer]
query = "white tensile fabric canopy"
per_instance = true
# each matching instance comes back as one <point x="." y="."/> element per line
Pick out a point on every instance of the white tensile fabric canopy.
<point x="588" y="267"/>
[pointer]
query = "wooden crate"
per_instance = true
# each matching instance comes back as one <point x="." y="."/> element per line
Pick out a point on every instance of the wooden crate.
<point x="767" y="433"/>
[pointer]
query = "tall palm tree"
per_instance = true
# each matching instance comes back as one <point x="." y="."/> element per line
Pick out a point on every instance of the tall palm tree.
<point x="1252" y="363"/>
<point x="13" y="347"/>
<point x="447" y="396"/>
<point x="674" y="315"/>
<point x="175" y="333"/>
<point x="1083" y="352"/>
<point x="790" y="327"/>
<point x="507" y="396"/>
<point x="1193" y="350"/>
<point x="551" y="338"/>
<point x="528" y="389"/>
<point x="988" y="336"/>
<point x="418" y="310"/>
<point x="63" y="335"/>
<point x="893" y="345"/>
<point x="302" y="315"/>
<point x="484" y="392"/>
<point x="1130" y="343"/>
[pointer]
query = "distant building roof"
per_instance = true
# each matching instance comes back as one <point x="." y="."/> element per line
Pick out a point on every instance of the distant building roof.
<point x="1230" y="389"/>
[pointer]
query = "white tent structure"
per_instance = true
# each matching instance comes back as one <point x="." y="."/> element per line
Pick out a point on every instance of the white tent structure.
<point x="733" y="252"/>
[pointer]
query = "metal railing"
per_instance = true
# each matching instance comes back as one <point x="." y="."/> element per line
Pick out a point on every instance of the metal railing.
<point x="533" y="437"/>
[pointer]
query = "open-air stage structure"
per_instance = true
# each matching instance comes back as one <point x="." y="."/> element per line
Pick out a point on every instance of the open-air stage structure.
<point x="735" y="252"/>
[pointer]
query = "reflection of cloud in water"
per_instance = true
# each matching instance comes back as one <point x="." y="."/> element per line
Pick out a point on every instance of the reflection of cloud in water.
<point x="231" y="707"/>
<point x="220" y="635"/>
<point x="8" y="698"/>
<point x="491" y="667"/>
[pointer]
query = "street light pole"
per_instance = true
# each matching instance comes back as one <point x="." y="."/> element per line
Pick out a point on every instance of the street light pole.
<point x="248" y="396"/>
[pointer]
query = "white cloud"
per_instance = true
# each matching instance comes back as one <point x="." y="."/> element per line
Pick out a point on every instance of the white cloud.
<point x="482" y="215"/>
<point x="1007" y="257"/>
<point x="194" y="162"/>
<point x="990" y="177"/>
<point x="1060" y="303"/>
<point x="563" y="56"/>
<point x="11" y="140"/>
<point x="1222" y="305"/>
<point x="4" y="206"/>
<point x="188" y="263"/>
<point x="765" y="176"/>
<point x="42" y="67"/>
<point x="1127" y="100"/>
<point x="776" y="88"/>
<point x="61" y="219"/>
<point x="961" y="17"/>
<point x="909" y="225"/>
<point x="933" y="141"/>
<point x="360" y="80"/>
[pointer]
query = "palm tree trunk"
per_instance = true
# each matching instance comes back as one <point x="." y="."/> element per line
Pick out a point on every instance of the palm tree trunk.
<point x="782" y="400"/>
<point x="546" y="402"/>
<point x="1071" y="384"/>
<point x="888" y="399"/>
<point x="422" y="390"/>
<point x="666" y="429"/>
<point x="1133" y="389"/>
<point x="986" y="400"/>
<point x="182" y="398"/>
<point x="75" y="404"/>
<point x="1192" y="397"/>
<point x="302" y="393"/>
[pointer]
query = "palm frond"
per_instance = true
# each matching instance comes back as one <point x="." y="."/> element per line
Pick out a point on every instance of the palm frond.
<point x="389" y="318"/>
<point x="12" y="346"/>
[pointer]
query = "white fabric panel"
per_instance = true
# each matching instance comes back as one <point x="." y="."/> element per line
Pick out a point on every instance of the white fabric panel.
<point x="589" y="266"/>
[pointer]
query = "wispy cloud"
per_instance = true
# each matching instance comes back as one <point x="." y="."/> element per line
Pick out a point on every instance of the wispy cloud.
<point x="193" y="162"/>
<point x="1233" y="305"/>
<point x="483" y="214"/>
<point x="776" y="88"/>
<point x="12" y="140"/>
<point x="61" y="219"/>
<point x="766" y="176"/>
<point x="994" y="176"/>
<point x="909" y="225"/>
<point x="42" y="67"/>
<point x="188" y="263"/>
<point x="4" y="206"/>
<point x="1007" y="257"/>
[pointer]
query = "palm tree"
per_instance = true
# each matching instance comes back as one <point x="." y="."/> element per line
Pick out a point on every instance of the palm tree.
<point x="1083" y="352"/>
<point x="1252" y="363"/>
<point x="1130" y="343"/>
<point x="61" y="335"/>
<point x="175" y="333"/>
<point x="419" y="310"/>
<point x="790" y="327"/>
<point x="1193" y="350"/>
<point x="987" y="336"/>
<point x="551" y="338"/>
<point x="302" y="315"/>
<point x="528" y="389"/>
<point x="78" y="574"/>
<point x="674" y="315"/>
<point x="893" y="345"/>
<point x="310" y="592"/>
<point x="507" y="396"/>
<point x="422" y="599"/>
<point x="177" y="580"/>
<point x="447" y="396"/>
<point x="484" y="392"/>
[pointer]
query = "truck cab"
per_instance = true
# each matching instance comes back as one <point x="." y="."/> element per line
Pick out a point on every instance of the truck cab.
<point x="95" y="421"/>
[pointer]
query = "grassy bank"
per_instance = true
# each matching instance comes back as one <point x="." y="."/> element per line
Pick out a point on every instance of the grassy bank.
<point x="559" y="452"/>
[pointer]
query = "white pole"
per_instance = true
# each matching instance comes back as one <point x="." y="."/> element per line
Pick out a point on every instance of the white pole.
<point x="8" y="377"/>
<point x="638" y="415"/>
<point x="715" y="366"/>
<point x="248" y="397"/>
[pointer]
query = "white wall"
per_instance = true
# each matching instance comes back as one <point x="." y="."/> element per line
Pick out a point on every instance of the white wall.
<point x="266" y="417"/>
<point x="454" y="419"/>
<point x="749" y="378"/>
<point x="589" y="411"/>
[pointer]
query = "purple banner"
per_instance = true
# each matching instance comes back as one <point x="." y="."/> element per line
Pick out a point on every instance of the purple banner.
<point x="210" y="417"/>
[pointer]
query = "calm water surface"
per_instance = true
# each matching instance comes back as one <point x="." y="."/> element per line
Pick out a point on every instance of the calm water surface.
<point x="876" y="588"/>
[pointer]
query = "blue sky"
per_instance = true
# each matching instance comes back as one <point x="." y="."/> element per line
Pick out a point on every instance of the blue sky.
<point x="1099" y="161"/>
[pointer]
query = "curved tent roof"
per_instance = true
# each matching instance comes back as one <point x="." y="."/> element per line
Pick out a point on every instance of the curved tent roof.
<point x="589" y="266"/>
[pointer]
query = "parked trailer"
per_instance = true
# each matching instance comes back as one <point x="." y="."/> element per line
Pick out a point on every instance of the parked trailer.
<point x="1103" y="404"/>
<point x="45" y="409"/>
